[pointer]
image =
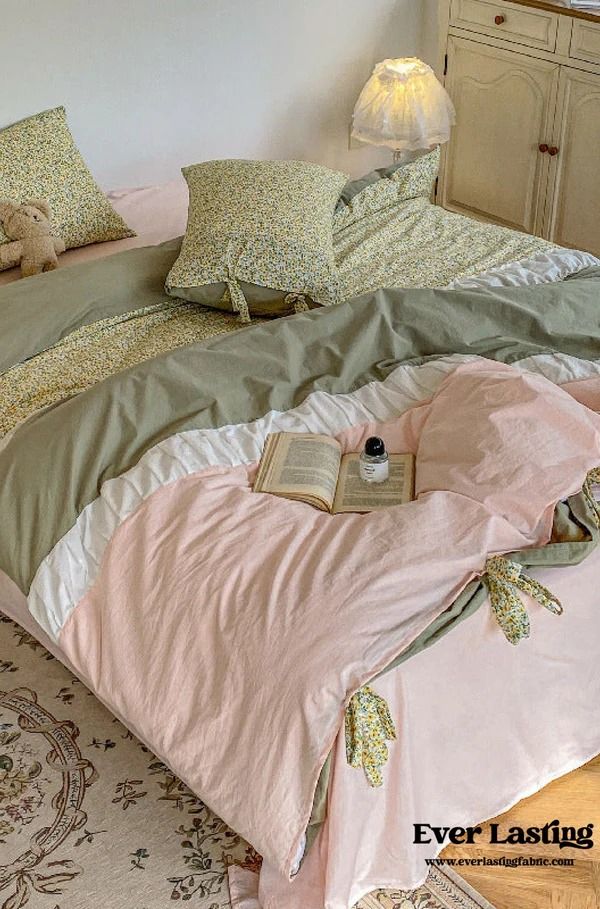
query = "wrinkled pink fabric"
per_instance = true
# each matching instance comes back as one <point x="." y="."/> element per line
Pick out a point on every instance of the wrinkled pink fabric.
<point x="480" y="725"/>
<point x="474" y="736"/>
<point x="586" y="391"/>
<point x="234" y="651"/>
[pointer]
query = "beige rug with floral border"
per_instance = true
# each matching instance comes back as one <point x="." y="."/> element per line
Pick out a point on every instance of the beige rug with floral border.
<point x="90" y="819"/>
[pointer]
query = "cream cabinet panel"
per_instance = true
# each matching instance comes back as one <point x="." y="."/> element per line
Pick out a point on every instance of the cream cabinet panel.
<point x="585" y="41"/>
<point x="505" y="104"/>
<point x="574" y="206"/>
<point x="533" y="27"/>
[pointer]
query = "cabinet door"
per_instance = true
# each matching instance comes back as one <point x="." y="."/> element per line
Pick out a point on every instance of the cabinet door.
<point x="505" y="104"/>
<point x="574" y="207"/>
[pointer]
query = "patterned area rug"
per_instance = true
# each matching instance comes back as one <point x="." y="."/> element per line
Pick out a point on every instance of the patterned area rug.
<point x="90" y="819"/>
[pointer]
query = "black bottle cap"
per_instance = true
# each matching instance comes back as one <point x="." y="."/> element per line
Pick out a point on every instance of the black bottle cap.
<point x="374" y="447"/>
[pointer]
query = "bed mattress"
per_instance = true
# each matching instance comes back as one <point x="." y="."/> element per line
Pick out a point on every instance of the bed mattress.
<point x="120" y="398"/>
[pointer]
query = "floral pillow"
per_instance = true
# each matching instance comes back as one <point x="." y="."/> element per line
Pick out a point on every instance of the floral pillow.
<point x="41" y="161"/>
<point x="417" y="177"/>
<point x="354" y="187"/>
<point x="390" y="187"/>
<point x="259" y="237"/>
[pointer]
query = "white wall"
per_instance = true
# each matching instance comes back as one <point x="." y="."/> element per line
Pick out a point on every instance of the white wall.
<point x="431" y="49"/>
<point x="151" y="85"/>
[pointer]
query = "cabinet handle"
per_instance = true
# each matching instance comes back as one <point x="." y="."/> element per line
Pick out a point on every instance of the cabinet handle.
<point x="544" y="148"/>
<point x="553" y="151"/>
<point x="500" y="20"/>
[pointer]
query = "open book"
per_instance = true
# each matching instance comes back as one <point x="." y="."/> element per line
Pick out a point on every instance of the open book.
<point x="311" y="468"/>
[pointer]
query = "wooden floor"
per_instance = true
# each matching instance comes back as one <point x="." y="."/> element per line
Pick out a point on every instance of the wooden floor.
<point x="574" y="800"/>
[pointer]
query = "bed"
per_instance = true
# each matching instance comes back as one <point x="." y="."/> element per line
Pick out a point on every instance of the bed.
<point x="122" y="412"/>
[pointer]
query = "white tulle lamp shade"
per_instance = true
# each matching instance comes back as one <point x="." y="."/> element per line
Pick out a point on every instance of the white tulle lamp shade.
<point x="403" y="106"/>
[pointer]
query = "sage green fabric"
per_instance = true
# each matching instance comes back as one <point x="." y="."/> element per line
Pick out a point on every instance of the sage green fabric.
<point x="92" y="353"/>
<point x="41" y="161"/>
<point x="380" y="247"/>
<point x="258" y="223"/>
<point x="319" y="808"/>
<point x="374" y="246"/>
<point x="262" y="301"/>
<point x="37" y="312"/>
<point x="48" y="480"/>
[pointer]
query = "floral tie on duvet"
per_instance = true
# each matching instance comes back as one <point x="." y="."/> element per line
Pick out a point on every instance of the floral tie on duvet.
<point x="592" y="479"/>
<point x="504" y="579"/>
<point x="368" y="726"/>
<point x="368" y="723"/>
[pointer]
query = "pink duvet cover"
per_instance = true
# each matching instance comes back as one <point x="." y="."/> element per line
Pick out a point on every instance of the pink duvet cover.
<point x="496" y="449"/>
<point x="272" y="584"/>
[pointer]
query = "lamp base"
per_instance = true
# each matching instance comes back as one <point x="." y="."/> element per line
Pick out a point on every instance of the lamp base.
<point x="405" y="157"/>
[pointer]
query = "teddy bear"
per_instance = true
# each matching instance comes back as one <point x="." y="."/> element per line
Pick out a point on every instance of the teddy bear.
<point x="28" y="227"/>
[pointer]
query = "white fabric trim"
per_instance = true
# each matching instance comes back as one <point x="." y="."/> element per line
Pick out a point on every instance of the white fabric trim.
<point x="73" y="565"/>
<point x="560" y="368"/>
<point x="541" y="268"/>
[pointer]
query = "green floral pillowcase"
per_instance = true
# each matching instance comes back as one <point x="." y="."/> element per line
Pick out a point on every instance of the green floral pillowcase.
<point x="417" y="178"/>
<point x="259" y="237"/>
<point x="406" y="182"/>
<point x="41" y="161"/>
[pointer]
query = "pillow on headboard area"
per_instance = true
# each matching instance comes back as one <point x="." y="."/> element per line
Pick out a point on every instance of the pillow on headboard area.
<point x="386" y="187"/>
<point x="417" y="177"/>
<point x="259" y="237"/>
<point x="39" y="160"/>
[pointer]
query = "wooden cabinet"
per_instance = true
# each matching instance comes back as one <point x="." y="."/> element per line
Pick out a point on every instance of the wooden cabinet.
<point x="585" y="42"/>
<point x="525" y="151"/>
<point x="533" y="27"/>
<point x="504" y="103"/>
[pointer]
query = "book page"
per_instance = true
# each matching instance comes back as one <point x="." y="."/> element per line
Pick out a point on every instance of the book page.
<point x="356" y="495"/>
<point x="303" y="466"/>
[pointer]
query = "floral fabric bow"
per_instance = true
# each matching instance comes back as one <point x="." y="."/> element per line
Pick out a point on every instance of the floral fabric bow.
<point x="368" y="725"/>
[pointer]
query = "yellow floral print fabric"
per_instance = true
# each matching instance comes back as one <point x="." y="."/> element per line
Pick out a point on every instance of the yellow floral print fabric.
<point x="41" y="161"/>
<point x="593" y="479"/>
<point x="97" y="351"/>
<point x="418" y="177"/>
<point x="262" y="223"/>
<point x="417" y="244"/>
<point x="377" y="242"/>
<point x="368" y="726"/>
<point x="504" y="579"/>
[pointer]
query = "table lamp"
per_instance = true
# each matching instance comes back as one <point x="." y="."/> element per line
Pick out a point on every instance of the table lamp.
<point x="404" y="107"/>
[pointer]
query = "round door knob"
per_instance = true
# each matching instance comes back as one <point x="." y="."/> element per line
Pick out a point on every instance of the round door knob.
<point x="500" y="20"/>
<point x="553" y="151"/>
<point x="543" y="148"/>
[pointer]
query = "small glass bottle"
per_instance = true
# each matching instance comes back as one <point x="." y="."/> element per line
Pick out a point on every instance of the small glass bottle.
<point x="374" y="464"/>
